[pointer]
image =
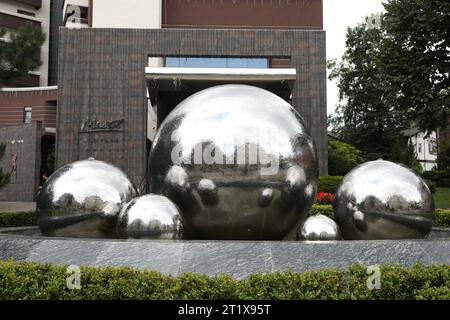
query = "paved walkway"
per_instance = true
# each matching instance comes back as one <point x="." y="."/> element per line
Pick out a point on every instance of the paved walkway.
<point x="17" y="206"/>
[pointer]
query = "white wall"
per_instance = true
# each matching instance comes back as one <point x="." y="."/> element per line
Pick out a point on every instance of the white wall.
<point x="139" y="14"/>
<point x="43" y="16"/>
<point x="422" y="148"/>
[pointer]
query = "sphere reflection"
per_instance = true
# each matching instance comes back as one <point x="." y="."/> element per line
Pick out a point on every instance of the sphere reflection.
<point x="383" y="200"/>
<point x="319" y="227"/>
<point x="83" y="199"/>
<point x="150" y="216"/>
<point x="238" y="162"/>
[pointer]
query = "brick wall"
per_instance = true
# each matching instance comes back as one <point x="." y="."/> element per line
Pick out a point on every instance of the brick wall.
<point x="102" y="75"/>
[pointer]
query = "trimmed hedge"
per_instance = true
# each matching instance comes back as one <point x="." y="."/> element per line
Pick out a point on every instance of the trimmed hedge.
<point x="20" y="219"/>
<point x="44" y="281"/>
<point x="326" y="210"/>
<point x="442" y="219"/>
<point x="17" y="219"/>
<point x="329" y="183"/>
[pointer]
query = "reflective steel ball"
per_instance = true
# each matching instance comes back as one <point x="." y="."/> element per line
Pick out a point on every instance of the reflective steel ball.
<point x="319" y="227"/>
<point x="383" y="200"/>
<point x="83" y="199"/>
<point x="238" y="162"/>
<point x="150" y="216"/>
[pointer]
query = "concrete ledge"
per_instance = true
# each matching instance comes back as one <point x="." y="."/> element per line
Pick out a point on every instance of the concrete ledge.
<point x="237" y="258"/>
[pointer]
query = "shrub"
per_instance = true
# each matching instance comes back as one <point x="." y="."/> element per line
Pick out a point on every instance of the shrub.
<point x="329" y="184"/>
<point x="31" y="281"/>
<point x="431" y="185"/>
<point x="342" y="157"/>
<point x="17" y="219"/>
<point x="442" y="219"/>
<point x="326" y="210"/>
<point x="440" y="177"/>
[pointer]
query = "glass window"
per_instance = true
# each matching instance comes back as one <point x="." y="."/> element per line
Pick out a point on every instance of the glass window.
<point x="27" y="114"/>
<point x="420" y="147"/>
<point x="205" y="62"/>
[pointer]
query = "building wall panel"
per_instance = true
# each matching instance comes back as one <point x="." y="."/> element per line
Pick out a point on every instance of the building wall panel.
<point x="102" y="77"/>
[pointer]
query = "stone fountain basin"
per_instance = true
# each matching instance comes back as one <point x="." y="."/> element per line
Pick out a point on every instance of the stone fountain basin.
<point x="236" y="258"/>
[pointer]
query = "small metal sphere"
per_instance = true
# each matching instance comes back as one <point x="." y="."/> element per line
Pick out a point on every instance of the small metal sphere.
<point x="83" y="199"/>
<point x="319" y="227"/>
<point x="150" y="216"/>
<point x="239" y="163"/>
<point x="383" y="200"/>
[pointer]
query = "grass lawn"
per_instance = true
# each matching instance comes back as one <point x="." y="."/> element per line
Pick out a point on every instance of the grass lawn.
<point x="442" y="198"/>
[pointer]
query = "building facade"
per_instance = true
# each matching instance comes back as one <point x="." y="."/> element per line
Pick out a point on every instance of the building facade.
<point x="425" y="147"/>
<point x="98" y="61"/>
<point x="111" y="86"/>
<point x="14" y="14"/>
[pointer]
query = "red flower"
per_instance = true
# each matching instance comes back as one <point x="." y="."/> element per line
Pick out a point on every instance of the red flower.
<point x="324" y="198"/>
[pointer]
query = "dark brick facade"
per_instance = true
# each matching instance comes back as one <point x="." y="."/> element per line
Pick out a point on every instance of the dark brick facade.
<point x="25" y="142"/>
<point x="101" y="76"/>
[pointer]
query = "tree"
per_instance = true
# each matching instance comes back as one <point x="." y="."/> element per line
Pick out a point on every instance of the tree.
<point x="394" y="77"/>
<point x="403" y="152"/>
<point x="4" y="178"/>
<point x="20" y="54"/>
<point x="342" y="157"/>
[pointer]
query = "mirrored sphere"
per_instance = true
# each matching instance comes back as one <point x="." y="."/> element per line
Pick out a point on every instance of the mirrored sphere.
<point x="319" y="227"/>
<point x="83" y="199"/>
<point x="150" y="216"/>
<point x="238" y="162"/>
<point x="383" y="200"/>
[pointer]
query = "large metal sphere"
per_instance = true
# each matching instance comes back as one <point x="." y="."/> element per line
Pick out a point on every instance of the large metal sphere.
<point x="319" y="227"/>
<point x="83" y="199"/>
<point x="150" y="216"/>
<point x="239" y="163"/>
<point x="383" y="200"/>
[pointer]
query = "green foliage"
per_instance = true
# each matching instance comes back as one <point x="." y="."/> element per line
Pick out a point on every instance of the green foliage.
<point x="20" y="55"/>
<point x="394" y="77"/>
<point x="440" y="177"/>
<point x="443" y="160"/>
<point x="404" y="153"/>
<point x="31" y="281"/>
<point x="326" y="210"/>
<point x="4" y="177"/>
<point x="342" y="157"/>
<point x="442" y="219"/>
<point x="329" y="183"/>
<point x="17" y="219"/>
<point x="431" y="185"/>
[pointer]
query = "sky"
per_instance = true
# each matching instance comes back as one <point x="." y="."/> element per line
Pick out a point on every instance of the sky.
<point x="338" y="15"/>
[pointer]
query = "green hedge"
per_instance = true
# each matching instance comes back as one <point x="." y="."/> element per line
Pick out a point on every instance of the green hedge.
<point x="326" y="210"/>
<point x="329" y="183"/>
<point x="442" y="219"/>
<point x="19" y="219"/>
<point x="45" y="281"/>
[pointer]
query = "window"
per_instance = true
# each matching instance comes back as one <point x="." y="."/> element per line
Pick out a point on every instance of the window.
<point x="432" y="147"/>
<point x="27" y="114"/>
<point x="420" y="147"/>
<point x="208" y="62"/>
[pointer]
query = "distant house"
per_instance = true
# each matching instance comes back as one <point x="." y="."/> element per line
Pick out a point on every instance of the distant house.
<point x="424" y="146"/>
